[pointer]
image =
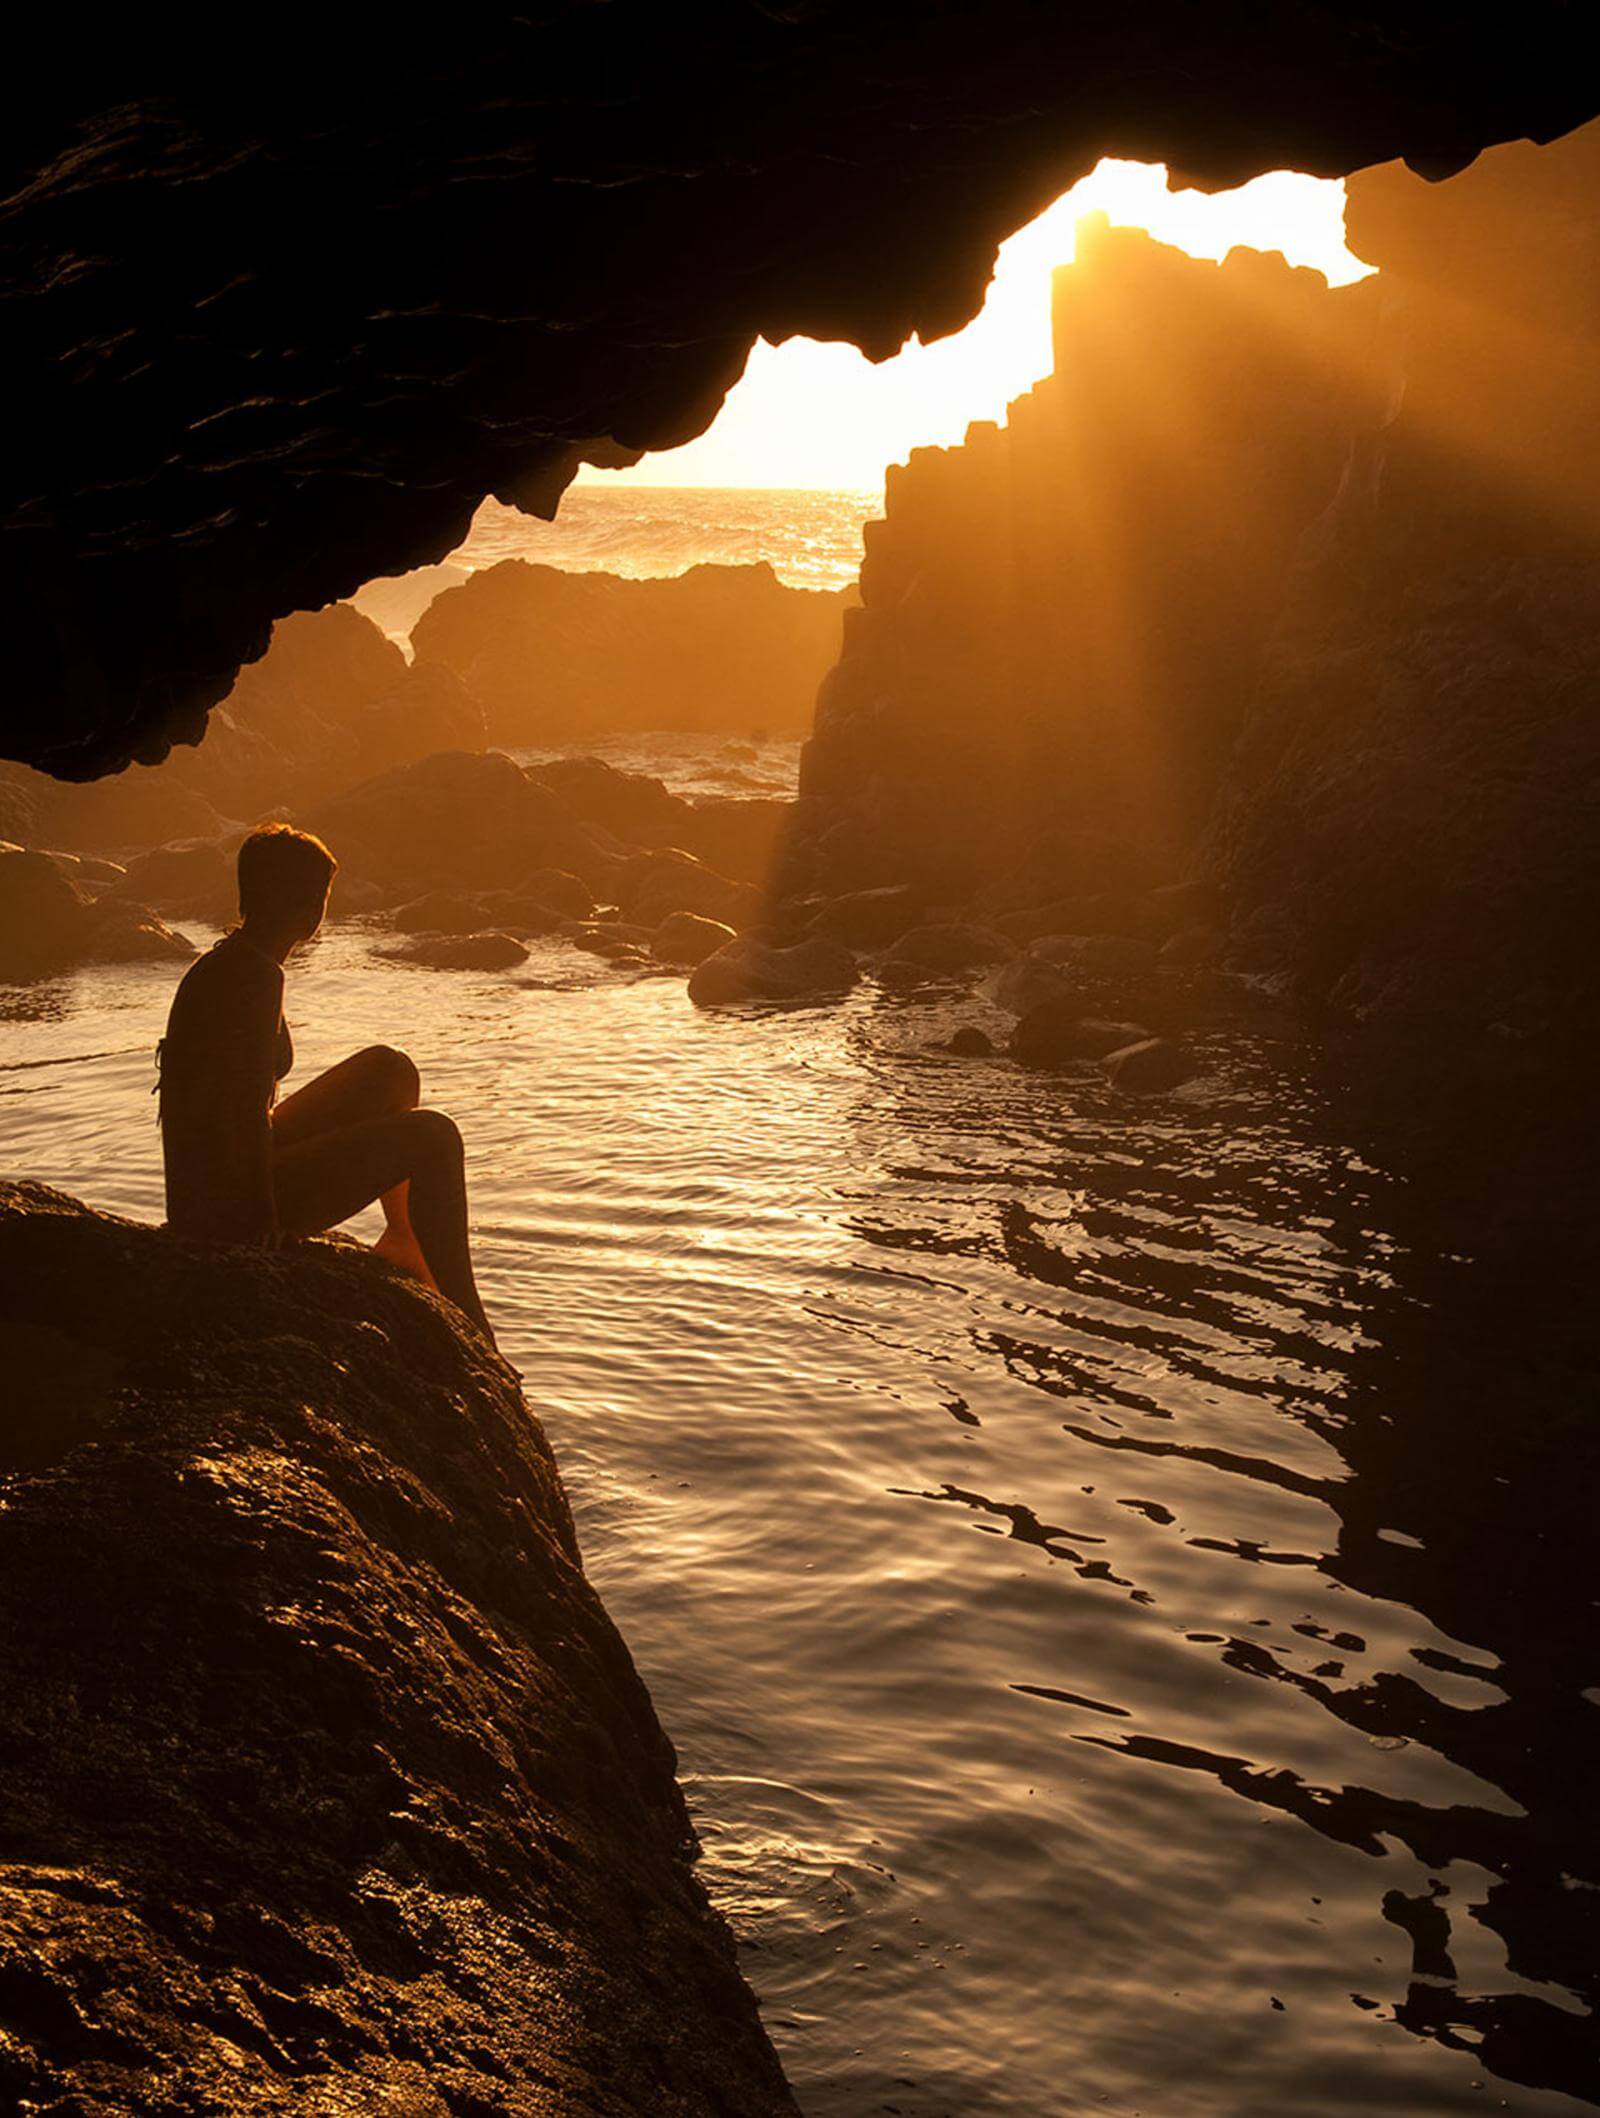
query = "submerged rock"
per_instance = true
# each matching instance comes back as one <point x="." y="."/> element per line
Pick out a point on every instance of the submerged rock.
<point x="756" y="970"/>
<point x="329" y="1784"/>
<point x="1057" y="1033"/>
<point x="1153" y="1064"/>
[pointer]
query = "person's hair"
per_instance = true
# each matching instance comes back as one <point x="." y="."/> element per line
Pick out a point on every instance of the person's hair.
<point x="282" y="869"/>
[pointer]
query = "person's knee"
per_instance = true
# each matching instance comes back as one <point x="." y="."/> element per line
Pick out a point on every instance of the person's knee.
<point x="396" y="1083"/>
<point x="438" y="1137"/>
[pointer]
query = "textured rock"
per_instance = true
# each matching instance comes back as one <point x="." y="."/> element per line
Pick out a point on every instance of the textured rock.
<point x="950" y="948"/>
<point x="1409" y="828"/>
<point x="866" y="919"/>
<point x="556" y="656"/>
<point x="459" y="821"/>
<point x="462" y="952"/>
<point x="50" y="923"/>
<point x="1027" y="982"/>
<point x="329" y="1785"/>
<point x="686" y="939"/>
<point x="653" y="885"/>
<point x="281" y="326"/>
<point x="748" y="969"/>
<point x="1060" y="616"/>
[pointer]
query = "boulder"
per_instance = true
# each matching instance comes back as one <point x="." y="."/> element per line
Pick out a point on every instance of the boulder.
<point x="749" y="969"/>
<point x="951" y="949"/>
<point x="1057" y="1033"/>
<point x="633" y="806"/>
<point x="462" y="952"/>
<point x="515" y="913"/>
<point x="460" y="820"/>
<point x="1026" y="982"/>
<point x="867" y="919"/>
<point x="1147" y="1067"/>
<point x="50" y="924"/>
<point x="969" y="1042"/>
<point x="195" y="877"/>
<point x="557" y="655"/>
<point x="559" y="892"/>
<point x="685" y="939"/>
<point x="654" y="885"/>
<point x="329" y="1782"/>
<point x="439" y="912"/>
<point x="615" y="940"/>
<point x="743" y="838"/>
<point x="140" y="807"/>
<point x="41" y="915"/>
<point x="1192" y="949"/>
<point x="118" y="931"/>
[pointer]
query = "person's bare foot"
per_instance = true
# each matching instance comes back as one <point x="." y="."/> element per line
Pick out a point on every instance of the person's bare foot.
<point x="400" y="1247"/>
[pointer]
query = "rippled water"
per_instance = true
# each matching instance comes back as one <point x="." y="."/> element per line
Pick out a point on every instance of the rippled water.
<point x="1118" y="1596"/>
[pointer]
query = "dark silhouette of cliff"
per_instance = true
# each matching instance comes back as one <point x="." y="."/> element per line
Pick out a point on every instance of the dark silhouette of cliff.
<point x="327" y="1778"/>
<point x="553" y="655"/>
<point x="1285" y="588"/>
<point x="1060" y="616"/>
<point x="278" y="326"/>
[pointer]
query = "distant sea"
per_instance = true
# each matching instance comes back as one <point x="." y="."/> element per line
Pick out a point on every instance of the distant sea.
<point x="810" y="540"/>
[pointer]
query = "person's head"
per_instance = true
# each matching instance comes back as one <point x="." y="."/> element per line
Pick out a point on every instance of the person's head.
<point x="284" y="876"/>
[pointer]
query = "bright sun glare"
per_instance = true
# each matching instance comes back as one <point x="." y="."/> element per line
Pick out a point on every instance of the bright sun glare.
<point x="820" y="416"/>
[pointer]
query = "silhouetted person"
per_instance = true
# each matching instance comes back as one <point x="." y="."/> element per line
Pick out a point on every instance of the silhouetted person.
<point x="242" y="1167"/>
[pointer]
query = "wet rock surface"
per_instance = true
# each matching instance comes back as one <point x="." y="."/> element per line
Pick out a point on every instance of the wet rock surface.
<point x="329" y="1783"/>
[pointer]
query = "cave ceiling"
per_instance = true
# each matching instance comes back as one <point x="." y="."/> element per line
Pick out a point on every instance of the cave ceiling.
<point x="283" y="303"/>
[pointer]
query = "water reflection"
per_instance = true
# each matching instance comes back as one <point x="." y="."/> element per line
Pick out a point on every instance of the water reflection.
<point x="1116" y="1574"/>
<point x="1212" y="1295"/>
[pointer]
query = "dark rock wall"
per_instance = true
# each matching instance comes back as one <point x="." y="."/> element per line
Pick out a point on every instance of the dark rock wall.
<point x="554" y="655"/>
<point x="277" y="320"/>
<point x="1295" y="586"/>
<point x="1061" y="616"/>
<point x="1412" y="822"/>
<point x="329" y="1785"/>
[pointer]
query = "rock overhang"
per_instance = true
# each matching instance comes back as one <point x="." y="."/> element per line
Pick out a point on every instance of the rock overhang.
<point x="276" y="329"/>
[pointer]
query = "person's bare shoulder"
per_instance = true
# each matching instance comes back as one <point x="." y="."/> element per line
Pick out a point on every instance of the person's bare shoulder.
<point x="230" y="982"/>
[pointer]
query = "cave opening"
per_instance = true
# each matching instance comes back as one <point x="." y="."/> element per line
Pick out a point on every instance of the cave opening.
<point x="1007" y="932"/>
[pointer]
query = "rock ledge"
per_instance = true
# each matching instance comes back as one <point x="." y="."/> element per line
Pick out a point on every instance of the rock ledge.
<point x="330" y="1786"/>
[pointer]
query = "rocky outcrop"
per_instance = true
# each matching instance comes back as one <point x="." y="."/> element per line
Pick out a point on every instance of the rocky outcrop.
<point x="330" y="703"/>
<point x="1409" y="825"/>
<point x="328" y="1782"/>
<point x="280" y="327"/>
<point x="1261" y="635"/>
<point x="1060" y="618"/>
<point x="555" y="656"/>
<point x="50" y="922"/>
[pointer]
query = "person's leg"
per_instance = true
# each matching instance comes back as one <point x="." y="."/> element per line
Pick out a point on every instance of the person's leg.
<point x="327" y="1177"/>
<point x="378" y="1082"/>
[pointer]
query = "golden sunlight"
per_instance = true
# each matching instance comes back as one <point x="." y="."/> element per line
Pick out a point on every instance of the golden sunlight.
<point x="823" y="416"/>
